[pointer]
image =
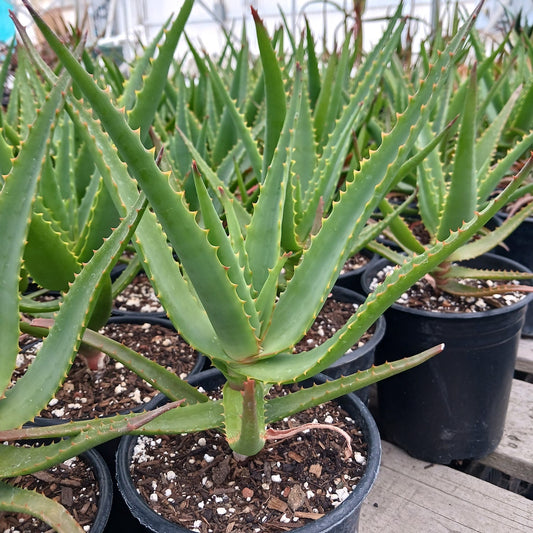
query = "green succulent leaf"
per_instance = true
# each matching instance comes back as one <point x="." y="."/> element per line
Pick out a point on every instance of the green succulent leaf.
<point x="16" y="199"/>
<point x="14" y="499"/>
<point x="141" y="116"/>
<point x="283" y="406"/>
<point x="43" y="378"/>
<point x="461" y="198"/>
<point x="274" y="92"/>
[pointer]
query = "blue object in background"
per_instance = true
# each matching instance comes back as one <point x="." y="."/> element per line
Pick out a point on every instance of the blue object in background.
<point x="7" y="28"/>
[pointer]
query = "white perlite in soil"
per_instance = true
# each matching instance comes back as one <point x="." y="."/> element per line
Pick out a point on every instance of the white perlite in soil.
<point x="423" y="296"/>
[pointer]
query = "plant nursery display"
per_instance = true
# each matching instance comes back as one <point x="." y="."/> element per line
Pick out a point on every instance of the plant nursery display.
<point x="241" y="210"/>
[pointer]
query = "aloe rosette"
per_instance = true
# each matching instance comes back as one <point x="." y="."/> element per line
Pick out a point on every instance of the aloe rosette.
<point x="464" y="171"/>
<point x="223" y="280"/>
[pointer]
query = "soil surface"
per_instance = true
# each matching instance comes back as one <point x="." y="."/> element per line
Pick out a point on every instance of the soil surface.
<point x="355" y="262"/>
<point x="86" y="393"/>
<point x="423" y="296"/>
<point x="196" y="480"/>
<point x="333" y="315"/>
<point x="71" y="483"/>
<point x="139" y="296"/>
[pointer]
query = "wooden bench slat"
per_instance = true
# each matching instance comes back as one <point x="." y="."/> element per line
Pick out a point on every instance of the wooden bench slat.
<point x="524" y="358"/>
<point x="410" y="495"/>
<point x="514" y="454"/>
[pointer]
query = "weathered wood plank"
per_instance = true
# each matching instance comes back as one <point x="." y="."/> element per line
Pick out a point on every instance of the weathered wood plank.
<point x="411" y="496"/>
<point x="524" y="358"/>
<point x="514" y="454"/>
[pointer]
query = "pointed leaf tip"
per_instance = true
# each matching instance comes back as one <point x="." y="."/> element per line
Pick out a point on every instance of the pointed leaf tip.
<point x="255" y="14"/>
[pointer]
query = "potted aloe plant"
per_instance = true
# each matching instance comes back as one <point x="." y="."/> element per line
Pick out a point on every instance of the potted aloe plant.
<point x="222" y="289"/>
<point x="455" y="407"/>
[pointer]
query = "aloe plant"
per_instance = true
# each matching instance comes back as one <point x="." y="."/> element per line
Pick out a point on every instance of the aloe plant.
<point x="466" y="169"/>
<point x="72" y="211"/>
<point x="223" y="288"/>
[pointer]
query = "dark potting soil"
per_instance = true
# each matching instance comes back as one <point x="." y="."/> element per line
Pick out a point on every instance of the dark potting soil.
<point x="71" y="483"/>
<point x="356" y="261"/>
<point x="139" y="296"/>
<point x="423" y="296"/>
<point x="86" y="393"/>
<point x="195" y="479"/>
<point x="332" y="317"/>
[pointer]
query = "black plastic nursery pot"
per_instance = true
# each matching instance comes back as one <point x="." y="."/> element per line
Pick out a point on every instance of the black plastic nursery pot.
<point x="363" y="357"/>
<point x="343" y="519"/>
<point x="105" y="486"/>
<point x="453" y="406"/>
<point x="520" y="248"/>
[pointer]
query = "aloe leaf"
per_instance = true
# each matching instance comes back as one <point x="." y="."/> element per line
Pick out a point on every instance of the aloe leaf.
<point x="243" y="132"/>
<point x="488" y="142"/>
<point x="523" y="116"/>
<point x="401" y="230"/>
<point x="178" y="151"/>
<point x="458" y="271"/>
<point x="64" y="174"/>
<point x="16" y="199"/>
<point x="6" y="154"/>
<point x="490" y="181"/>
<point x="236" y="232"/>
<point x="43" y="377"/>
<point x="14" y="499"/>
<point x="103" y="217"/>
<point x="431" y="186"/>
<point x="244" y="416"/>
<point x="387" y="253"/>
<point x="142" y="114"/>
<point x="374" y="229"/>
<point x="21" y="460"/>
<point x="251" y="111"/>
<point x="487" y="242"/>
<point x="164" y="380"/>
<point x="274" y="92"/>
<point x="52" y="197"/>
<point x="304" y="159"/>
<point x="228" y="133"/>
<point x="269" y="291"/>
<point x="284" y="406"/>
<point x="313" y="72"/>
<point x="48" y="256"/>
<point x="336" y="95"/>
<point x="460" y="289"/>
<point x="219" y="239"/>
<point x="264" y="232"/>
<point x="461" y="199"/>
<point x="322" y="101"/>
